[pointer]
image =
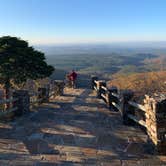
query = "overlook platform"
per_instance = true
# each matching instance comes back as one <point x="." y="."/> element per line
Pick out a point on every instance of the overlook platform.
<point x="74" y="129"/>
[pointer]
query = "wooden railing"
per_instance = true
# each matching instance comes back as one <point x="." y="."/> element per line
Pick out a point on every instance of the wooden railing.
<point x="116" y="100"/>
<point x="22" y="100"/>
<point x="150" y="115"/>
<point x="11" y="108"/>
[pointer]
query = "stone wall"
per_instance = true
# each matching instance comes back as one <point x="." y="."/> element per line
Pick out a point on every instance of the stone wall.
<point x="156" y="122"/>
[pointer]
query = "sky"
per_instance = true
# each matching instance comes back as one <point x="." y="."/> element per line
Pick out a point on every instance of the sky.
<point x="83" y="21"/>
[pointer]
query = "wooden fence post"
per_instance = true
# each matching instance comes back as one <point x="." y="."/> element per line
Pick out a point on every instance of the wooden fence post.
<point x="111" y="98"/>
<point x="99" y="90"/>
<point x="58" y="87"/>
<point x="93" y="79"/>
<point x="22" y="103"/>
<point x="47" y="86"/>
<point x="42" y="95"/>
<point x="126" y="108"/>
<point x="156" y="122"/>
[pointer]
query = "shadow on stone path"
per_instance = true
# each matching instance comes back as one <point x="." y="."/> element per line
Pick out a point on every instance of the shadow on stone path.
<point x="74" y="129"/>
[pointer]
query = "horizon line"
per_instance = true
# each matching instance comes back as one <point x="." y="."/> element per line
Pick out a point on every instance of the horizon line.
<point x="147" y="42"/>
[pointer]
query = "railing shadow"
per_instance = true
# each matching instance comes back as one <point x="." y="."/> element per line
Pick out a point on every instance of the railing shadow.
<point x="70" y="128"/>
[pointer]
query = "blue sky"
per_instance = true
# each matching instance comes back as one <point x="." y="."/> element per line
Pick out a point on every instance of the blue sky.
<point x="83" y="21"/>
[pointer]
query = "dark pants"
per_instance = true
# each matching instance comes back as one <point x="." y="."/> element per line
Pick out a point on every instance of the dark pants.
<point x="73" y="83"/>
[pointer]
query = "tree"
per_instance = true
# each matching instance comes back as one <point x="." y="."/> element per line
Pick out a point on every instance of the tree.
<point x="19" y="62"/>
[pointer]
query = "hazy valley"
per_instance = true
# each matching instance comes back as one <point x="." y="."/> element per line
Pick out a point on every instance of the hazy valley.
<point x="106" y="59"/>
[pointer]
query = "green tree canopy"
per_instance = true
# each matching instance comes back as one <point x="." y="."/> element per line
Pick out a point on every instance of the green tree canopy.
<point x="19" y="62"/>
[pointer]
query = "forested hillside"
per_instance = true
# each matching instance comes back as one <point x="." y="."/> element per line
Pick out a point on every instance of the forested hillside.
<point x="141" y="83"/>
<point x="106" y="63"/>
<point x="140" y="69"/>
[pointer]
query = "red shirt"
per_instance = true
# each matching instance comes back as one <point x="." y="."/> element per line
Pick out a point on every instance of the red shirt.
<point x="73" y="76"/>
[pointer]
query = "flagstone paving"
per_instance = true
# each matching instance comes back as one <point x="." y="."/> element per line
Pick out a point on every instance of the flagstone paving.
<point x="74" y="129"/>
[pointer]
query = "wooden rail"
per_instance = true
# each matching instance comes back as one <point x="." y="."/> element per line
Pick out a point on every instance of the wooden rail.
<point x="139" y="121"/>
<point x="5" y="101"/>
<point x="139" y="106"/>
<point x="118" y="102"/>
<point x="7" y="113"/>
<point x="31" y="99"/>
<point x="150" y="116"/>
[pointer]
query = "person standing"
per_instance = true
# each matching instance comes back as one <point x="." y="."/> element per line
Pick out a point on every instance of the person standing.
<point x="73" y="77"/>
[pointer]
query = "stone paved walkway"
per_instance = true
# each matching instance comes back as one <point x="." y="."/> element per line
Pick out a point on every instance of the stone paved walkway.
<point x="74" y="129"/>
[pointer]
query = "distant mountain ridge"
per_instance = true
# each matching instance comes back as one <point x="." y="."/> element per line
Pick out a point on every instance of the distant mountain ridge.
<point x="121" y="47"/>
<point x="107" y="59"/>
